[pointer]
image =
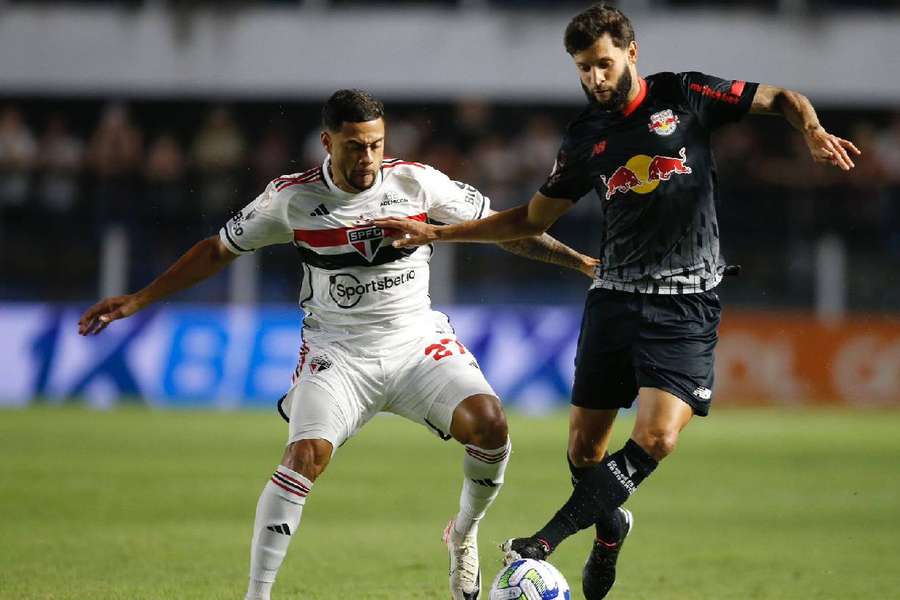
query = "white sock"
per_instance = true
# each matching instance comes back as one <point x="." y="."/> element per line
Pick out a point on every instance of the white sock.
<point x="483" y="470"/>
<point x="277" y="518"/>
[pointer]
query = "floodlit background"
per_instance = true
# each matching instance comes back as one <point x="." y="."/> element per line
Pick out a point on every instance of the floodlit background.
<point x="131" y="129"/>
<point x="128" y="130"/>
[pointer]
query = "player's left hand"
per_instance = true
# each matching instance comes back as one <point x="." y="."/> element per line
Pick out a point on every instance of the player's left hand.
<point x="589" y="265"/>
<point x="409" y="233"/>
<point x="829" y="149"/>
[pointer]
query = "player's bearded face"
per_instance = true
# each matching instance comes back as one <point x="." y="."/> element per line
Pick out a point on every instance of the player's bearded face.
<point x="357" y="151"/>
<point x="610" y="97"/>
<point x="605" y="72"/>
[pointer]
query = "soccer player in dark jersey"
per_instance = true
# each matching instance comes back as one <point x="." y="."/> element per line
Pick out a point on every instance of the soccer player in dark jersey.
<point x="651" y="316"/>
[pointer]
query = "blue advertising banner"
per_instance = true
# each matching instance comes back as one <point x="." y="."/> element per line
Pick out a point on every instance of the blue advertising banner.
<point x="235" y="357"/>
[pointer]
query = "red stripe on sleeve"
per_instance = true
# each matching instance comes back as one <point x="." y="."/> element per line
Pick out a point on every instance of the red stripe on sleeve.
<point x="737" y="87"/>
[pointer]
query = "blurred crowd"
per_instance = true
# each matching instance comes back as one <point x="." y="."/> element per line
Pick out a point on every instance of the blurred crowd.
<point x="171" y="173"/>
<point x="768" y="5"/>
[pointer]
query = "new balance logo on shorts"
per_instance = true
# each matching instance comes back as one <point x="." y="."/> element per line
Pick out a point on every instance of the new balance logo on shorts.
<point x="282" y="529"/>
<point x="320" y="211"/>
<point x="703" y="393"/>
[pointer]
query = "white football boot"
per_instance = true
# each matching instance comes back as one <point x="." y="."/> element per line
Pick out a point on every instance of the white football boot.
<point x="465" y="574"/>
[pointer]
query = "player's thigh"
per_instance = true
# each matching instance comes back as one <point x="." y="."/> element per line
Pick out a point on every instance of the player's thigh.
<point x="333" y="396"/>
<point x="436" y="378"/>
<point x="675" y="352"/>
<point x="661" y="411"/>
<point x="604" y="371"/>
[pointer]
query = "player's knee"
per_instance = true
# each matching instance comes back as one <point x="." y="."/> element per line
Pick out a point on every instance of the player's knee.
<point x="308" y="457"/>
<point x="583" y="451"/>
<point x="491" y="430"/>
<point x="658" y="443"/>
<point x="480" y="421"/>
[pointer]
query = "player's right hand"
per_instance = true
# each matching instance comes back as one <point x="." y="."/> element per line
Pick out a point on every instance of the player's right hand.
<point x="826" y="148"/>
<point x="409" y="233"/>
<point x="99" y="316"/>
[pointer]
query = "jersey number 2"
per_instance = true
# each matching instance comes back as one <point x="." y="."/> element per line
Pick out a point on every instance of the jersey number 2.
<point x="440" y="350"/>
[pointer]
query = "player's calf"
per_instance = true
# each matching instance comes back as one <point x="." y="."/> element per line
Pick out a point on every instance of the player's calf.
<point x="279" y="509"/>
<point x="309" y="457"/>
<point x="480" y="424"/>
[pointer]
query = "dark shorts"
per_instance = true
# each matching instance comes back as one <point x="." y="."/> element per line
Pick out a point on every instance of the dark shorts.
<point x="629" y="341"/>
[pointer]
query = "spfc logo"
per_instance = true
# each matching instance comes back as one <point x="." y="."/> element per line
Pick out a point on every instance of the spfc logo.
<point x="366" y="240"/>
<point x="319" y="363"/>
<point x="663" y="123"/>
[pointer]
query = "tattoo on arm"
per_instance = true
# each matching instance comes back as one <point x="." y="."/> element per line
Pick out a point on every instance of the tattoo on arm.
<point x="545" y="249"/>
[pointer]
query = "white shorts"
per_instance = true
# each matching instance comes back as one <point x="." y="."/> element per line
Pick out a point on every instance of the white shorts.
<point x="421" y="375"/>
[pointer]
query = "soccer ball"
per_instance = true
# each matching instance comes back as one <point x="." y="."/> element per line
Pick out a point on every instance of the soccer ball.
<point x="529" y="579"/>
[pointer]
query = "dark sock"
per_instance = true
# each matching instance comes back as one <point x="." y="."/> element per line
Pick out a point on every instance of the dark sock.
<point x="608" y="527"/>
<point x="598" y="492"/>
<point x="579" y="472"/>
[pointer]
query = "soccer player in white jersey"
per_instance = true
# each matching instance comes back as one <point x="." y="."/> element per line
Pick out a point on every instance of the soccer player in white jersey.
<point x="370" y="340"/>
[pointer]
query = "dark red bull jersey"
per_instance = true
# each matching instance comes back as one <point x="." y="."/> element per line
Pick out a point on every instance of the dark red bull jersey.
<point x="652" y="167"/>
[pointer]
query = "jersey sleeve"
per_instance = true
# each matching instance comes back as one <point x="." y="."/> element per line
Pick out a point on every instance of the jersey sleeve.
<point x="717" y="101"/>
<point x="453" y="201"/>
<point x="261" y="223"/>
<point x="569" y="177"/>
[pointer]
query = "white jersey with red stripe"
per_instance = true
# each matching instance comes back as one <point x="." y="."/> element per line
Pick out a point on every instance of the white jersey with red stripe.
<point x="354" y="282"/>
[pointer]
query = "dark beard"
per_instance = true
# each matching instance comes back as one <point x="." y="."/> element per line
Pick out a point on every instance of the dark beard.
<point x="617" y="99"/>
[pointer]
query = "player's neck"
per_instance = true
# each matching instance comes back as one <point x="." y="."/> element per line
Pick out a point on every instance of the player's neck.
<point x="636" y="95"/>
<point x="637" y="83"/>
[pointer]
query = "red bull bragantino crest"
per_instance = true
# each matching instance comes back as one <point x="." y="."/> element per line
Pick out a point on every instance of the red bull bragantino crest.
<point x="663" y="123"/>
<point x="642" y="174"/>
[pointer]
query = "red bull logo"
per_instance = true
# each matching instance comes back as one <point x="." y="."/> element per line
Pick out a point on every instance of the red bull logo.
<point x="663" y="123"/>
<point x="642" y="174"/>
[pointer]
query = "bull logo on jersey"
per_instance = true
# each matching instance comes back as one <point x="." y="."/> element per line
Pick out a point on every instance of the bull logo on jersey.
<point x="663" y="123"/>
<point x="366" y="240"/>
<point x="642" y="174"/>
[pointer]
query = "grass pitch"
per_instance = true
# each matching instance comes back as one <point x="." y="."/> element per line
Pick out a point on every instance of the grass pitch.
<point x="135" y="504"/>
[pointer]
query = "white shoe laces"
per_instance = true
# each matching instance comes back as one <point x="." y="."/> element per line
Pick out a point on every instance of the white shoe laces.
<point x="466" y="562"/>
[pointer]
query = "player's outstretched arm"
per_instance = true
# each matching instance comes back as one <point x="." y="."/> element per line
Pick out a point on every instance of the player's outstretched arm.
<point x="203" y="260"/>
<point x="524" y="221"/>
<point x="548" y="249"/>
<point x="798" y="110"/>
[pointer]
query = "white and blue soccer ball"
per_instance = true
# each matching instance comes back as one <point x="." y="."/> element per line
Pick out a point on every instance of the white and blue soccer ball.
<point x="528" y="579"/>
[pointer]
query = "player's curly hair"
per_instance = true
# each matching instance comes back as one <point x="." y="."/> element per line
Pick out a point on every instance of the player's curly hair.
<point x="350" y="106"/>
<point x="589" y="26"/>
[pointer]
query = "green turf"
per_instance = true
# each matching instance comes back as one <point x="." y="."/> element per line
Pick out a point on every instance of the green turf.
<point x="133" y="504"/>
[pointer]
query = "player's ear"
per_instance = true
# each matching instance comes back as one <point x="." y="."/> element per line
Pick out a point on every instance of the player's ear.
<point x="325" y="138"/>
<point x="632" y="52"/>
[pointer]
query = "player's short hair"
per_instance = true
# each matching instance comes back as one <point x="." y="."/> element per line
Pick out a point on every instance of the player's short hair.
<point x="350" y="106"/>
<point x="589" y="26"/>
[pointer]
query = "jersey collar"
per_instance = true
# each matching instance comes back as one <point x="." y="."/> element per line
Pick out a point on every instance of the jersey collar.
<point x="633" y="105"/>
<point x="326" y="174"/>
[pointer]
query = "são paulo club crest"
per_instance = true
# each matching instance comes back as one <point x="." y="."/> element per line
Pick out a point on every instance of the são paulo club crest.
<point x="319" y="363"/>
<point x="663" y="123"/>
<point x="366" y="240"/>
